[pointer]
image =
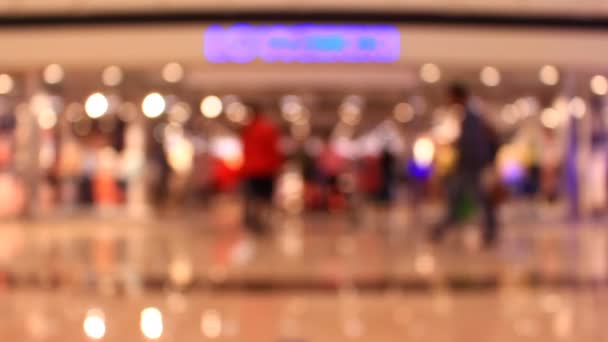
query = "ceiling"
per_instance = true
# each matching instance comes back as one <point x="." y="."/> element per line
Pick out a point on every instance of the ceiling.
<point x="501" y="7"/>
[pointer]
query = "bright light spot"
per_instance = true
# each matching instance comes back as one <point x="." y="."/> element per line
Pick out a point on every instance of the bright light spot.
<point x="211" y="106"/>
<point x="153" y="105"/>
<point x="490" y="76"/>
<point x="6" y="84"/>
<point x="430" y="73"/>
<point x="180" y="154"/>
<point x="599" y="85"/>
<point x="111" y="76"/>
<point x="211" y="324"/>
<point x="173" y="72"/>
<point x="236" y="112"/>
<point x="94" y="324"/>
<point x="447" y="130"/>
<point x="96" y="105"/>
<point x="229" y="150"/>
<point x="403" y="112"/>
<point x="151" y="323"/>
<point x="550" y="118"/>
<point x="510" y="162"/>
<point x="53" y="74"/>
<point x="549" y="75"/>
<point x="47" y="118"/>
<point x="424" y="151"/>
<point x="180" y="271"/>
<point x="180" y="112"/>
<point x="577" y="107"/>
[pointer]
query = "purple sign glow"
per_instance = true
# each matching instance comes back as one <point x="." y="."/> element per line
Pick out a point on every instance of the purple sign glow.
<point x="302" y="43"/>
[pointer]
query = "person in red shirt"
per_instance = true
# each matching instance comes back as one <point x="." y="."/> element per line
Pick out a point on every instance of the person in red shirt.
<point x="262" y="162"/>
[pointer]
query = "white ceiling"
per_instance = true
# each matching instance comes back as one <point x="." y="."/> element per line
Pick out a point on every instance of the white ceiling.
<point x="513" y="7"/>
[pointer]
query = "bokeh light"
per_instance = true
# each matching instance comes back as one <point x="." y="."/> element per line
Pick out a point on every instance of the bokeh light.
<point x="153" y="105"/>
<point x="53" y="74"/>
<point x="490" y="76"/>
<point x="404" y="112"/>
<point x="47" y="118"/>
<point x="211" y="324"/>
<point x="549" y="75"/>
<point x="599" y="85"/>
<point x="94" y="324"/>
<point x="211" y="106"/>
<point x="550" y="118"/>
<point x="96" y="105"/>
<point x="112" y="76"/>
<point x="236" y="112"/>
<point x="6" y="84"/>
<point x="577" y="107"/>
<point x="151" y="323"/>
<point x="430" y="73"/>
<point x="180" y="112"/>
<point x="424" y="151"/>
<point x="173" y="72"/>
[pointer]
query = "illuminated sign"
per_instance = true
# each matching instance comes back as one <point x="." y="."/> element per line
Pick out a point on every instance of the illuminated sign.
<point x="302" y="43"/>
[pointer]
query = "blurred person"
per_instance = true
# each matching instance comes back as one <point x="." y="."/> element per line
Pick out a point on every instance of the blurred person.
<point x="571" y="169"/>
<point x="262" y="162"/>
<point x="550" y="160"/>
<point x="598" y="168"/>
<point x="476" y="147"/>
<point x="331" y="165"/>
<point x="388" y="176"/>
<point x="160" y="172"/>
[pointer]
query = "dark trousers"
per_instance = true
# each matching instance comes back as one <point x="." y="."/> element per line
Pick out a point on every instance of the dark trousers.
<point x="458" y="187"/>
<point x="258" y="193"/>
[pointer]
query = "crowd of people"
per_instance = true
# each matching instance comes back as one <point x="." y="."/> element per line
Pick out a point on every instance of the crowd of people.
<point x="164" y="163"/>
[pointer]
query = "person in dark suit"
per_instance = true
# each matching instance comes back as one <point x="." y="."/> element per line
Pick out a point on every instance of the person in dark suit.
<point x="476" y="148"/>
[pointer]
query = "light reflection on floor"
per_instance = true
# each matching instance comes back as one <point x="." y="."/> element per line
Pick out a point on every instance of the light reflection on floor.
<point x="316" y="278"/>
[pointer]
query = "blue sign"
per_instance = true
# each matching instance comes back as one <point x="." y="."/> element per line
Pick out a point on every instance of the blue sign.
<point x="302" y="43"/>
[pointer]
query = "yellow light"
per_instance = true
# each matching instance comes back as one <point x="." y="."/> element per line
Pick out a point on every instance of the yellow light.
<point x="424" y="151"/>
<point x="53" y="74"/>
<point x="180" y="271"/>
<point x="6" y="84"/>
<point x="111" y="76"/>
<point x="94" y="324"/>
<point x="47" y="118"/>
<point x="173" y="72"/>
<point x="430" y="73"/>
<point x="153" y="105"/>
<point x="490" y="76"/>
<point x="96" y="105"/>
<point x="599" y="85"/>
<point x="211" y="324"/>
<point x="577" y="107"/>
<point x="549" y="75"/>
<point x="403" y="112"/>
<point x="151" y="323"/>
<point x="211" y="106"/>
<point x="550" y="118"/>
<point x="181" y="152"/>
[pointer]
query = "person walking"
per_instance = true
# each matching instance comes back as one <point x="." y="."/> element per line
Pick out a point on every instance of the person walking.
<point x="261" y="165"/>
<point x="476" y="146"/>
